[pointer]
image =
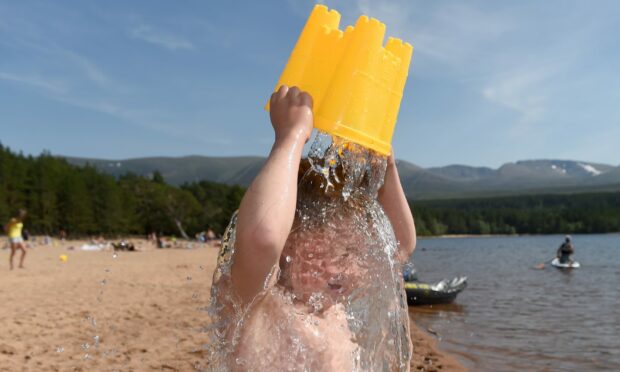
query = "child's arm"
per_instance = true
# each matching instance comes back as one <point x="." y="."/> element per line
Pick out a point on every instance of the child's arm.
<point x="394" y="203"/>
<point x="267" y="210"/>
<point x="9" y="225"/>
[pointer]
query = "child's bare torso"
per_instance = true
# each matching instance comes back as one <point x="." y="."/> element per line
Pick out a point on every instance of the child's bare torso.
<point x="334" y="302"/>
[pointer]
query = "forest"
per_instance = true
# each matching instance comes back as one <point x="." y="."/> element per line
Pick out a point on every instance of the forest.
<point x="84" y="201"/>
<point x="524" y="214"/>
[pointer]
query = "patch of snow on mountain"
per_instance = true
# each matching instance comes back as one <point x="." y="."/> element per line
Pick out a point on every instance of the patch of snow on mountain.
<point x="590" y="169"/>
<point x="558" y="169"/>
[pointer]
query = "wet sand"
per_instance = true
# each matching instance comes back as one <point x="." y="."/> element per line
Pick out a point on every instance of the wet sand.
<point x="134" y="312"/>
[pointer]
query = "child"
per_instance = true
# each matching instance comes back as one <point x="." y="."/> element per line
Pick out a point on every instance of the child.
<point x="14" y="230"/>
<point x="306" y="278"/>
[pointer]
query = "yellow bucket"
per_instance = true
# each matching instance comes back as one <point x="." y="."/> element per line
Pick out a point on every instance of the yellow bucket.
<point x="356" y="83"/>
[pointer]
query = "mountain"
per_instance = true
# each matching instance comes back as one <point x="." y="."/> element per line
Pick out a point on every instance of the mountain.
<point x="463" y="172"/>
<point x="612" y="176"/>
<point x="230" y="170"/>
<point x="452" y="181"/>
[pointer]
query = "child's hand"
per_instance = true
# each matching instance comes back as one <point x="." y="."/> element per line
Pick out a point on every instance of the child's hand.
<point x="291" y="114"/>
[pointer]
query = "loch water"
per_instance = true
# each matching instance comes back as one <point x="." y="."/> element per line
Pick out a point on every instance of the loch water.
<point x="513" y="317"/>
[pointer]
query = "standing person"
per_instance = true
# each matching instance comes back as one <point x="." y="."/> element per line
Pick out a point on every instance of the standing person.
<point x="210" y="235"/>
<point x="62" y="235"/>
<point x="566" y="250"/>
<point x="14" y="230"/>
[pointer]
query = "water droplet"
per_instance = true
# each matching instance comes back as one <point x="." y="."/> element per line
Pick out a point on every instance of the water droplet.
<point x="316" y="301"/>
<point x="369" y="245"/>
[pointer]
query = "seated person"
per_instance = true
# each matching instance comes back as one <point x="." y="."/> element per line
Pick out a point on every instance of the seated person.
<point x="566" y="250"/>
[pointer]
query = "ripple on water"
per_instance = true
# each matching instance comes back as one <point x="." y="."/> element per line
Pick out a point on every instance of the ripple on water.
<point x="527" y="319"/>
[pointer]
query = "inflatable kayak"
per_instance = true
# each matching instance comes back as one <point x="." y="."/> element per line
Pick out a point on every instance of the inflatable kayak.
<point x="566" y="265"/>
<point x="443" y="292"/>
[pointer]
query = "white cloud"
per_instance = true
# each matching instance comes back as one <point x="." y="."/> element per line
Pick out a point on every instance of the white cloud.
<point x="90" y="69"/>
<point x="522" y="92"/>
<point x="450" y="33"/>
<point x="103" y="101"/>
<point x="161" y="38"/>
<point x="457" y="34"/>
<point x="154" y="120"/>
<point x="48" y="84"/>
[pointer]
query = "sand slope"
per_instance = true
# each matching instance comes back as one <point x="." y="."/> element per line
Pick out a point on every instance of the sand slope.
<point x="140" y="311"/>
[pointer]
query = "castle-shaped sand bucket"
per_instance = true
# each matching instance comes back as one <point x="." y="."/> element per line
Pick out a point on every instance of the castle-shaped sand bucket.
<point x="356" y="83"/>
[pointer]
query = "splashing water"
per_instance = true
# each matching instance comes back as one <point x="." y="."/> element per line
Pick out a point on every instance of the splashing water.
<point x="338" y="303"/>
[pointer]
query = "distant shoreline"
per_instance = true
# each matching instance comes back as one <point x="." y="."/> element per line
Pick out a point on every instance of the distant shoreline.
<point x="454" y="236"/>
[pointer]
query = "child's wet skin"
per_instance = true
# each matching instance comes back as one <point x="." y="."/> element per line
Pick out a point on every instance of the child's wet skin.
<point x="322" y="262"/>
<point x="277" y="337"/>
<point x="321" y="268"/>
<point x="332" y="300"/>
<point x="322" y="294"/>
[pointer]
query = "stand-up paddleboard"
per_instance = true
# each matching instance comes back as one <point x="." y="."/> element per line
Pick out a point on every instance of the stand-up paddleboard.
<point x="567" y="265"/>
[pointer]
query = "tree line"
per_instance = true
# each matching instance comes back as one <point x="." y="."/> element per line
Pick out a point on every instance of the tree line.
<point x="84" y="201"/>
<point x="525" y="214"/>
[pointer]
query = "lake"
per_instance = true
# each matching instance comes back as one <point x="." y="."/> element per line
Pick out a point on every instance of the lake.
<point x="513" y="317"/>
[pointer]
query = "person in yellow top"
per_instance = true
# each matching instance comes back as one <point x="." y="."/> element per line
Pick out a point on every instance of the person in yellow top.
<point x="14" y="230"/>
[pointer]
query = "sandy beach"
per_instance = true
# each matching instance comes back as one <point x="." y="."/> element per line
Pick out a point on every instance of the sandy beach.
<point x="131" y="311"/>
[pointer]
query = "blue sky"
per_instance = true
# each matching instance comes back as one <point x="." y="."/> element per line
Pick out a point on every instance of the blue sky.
<point x="490" y="81"/>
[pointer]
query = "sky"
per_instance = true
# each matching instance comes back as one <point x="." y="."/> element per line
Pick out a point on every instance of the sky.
<point x="490" y="81"/>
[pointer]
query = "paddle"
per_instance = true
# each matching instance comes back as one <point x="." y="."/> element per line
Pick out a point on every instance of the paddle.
<point x="541" y="266"/>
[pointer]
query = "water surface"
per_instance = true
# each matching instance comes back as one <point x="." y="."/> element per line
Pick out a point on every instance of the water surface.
<point x="515" y="318"/>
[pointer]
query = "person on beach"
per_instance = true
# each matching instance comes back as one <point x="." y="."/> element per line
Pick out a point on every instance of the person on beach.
<point x="268" y="331"/>
<point x="161" y="242"/>
<point x="210" y="235"/>
<point x="566" y="250"/>
<point x="14" y="230"/>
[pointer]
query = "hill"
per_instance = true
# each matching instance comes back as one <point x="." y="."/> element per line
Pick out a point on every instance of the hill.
<point x="521" y="177"/>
